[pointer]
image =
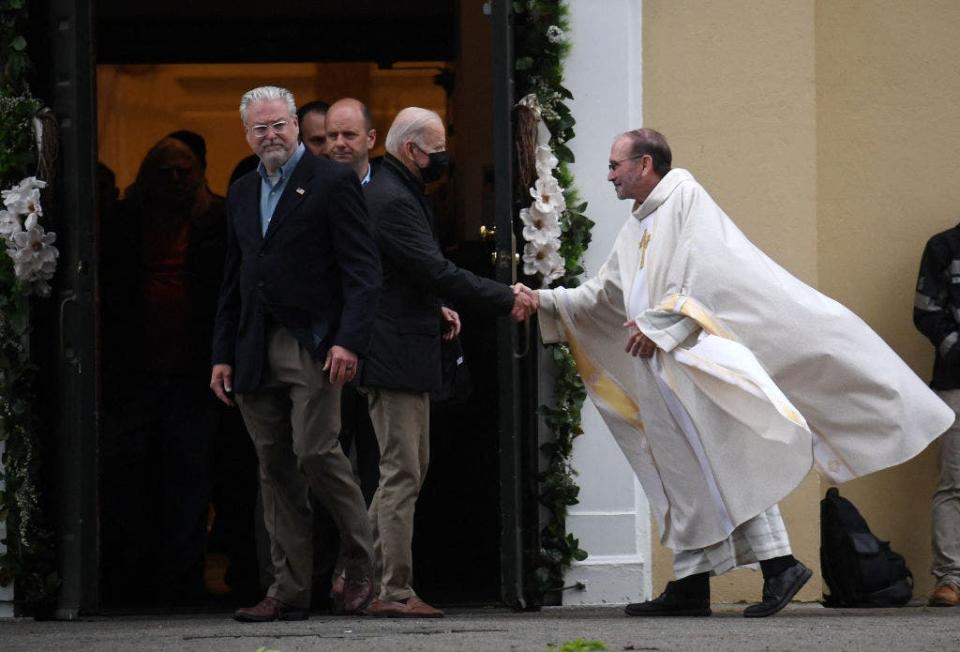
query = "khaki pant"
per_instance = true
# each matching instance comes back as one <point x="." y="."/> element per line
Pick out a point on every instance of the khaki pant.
<point x="294" y="420"/>
<point x="402" y="423"/>
<point x="946" y="501"/>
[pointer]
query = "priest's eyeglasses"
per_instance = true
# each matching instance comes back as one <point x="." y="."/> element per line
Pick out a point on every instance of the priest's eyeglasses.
<point x="613" y="165"/>
<point x="262" y="130"/>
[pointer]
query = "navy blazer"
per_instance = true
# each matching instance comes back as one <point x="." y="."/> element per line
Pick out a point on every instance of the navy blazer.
<point x="405" y="351"/>
<point x="316" y="271"/>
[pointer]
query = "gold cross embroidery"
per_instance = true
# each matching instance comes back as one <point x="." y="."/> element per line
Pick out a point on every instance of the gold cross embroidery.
<point x="644" y="241"/>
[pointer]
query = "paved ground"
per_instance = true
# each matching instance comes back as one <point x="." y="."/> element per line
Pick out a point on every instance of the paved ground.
<point x="799" y="627"/>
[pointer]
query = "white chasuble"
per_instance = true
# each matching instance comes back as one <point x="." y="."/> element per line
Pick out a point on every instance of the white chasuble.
<point x="770" y="375"/>
<point x="638" y="303"/>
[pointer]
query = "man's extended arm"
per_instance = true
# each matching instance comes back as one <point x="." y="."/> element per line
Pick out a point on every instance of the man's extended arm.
<point x="405" y="239"/>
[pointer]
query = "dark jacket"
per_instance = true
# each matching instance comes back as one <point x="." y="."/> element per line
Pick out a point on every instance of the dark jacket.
<point x="405" y="349"/>
<point x="316" y="271"/>
<point x="123" y="292"/>
<point x="936" y="307"/>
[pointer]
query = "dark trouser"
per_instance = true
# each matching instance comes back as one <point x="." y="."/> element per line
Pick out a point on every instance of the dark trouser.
<point x="156" y="485"/>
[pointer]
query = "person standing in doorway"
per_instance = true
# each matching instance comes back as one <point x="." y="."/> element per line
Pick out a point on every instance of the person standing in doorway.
<point x="161" y="262"/>
<point x="301" y="279"/>
<point x="312" y="117"/>
<point x="403" y="365"/>
<point x="351" y="136"/>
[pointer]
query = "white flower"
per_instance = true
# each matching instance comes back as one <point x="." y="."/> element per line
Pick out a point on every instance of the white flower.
<point x="27" y="183"/>
<point x="30" y="249"/>
<point x="543" y="134"/>
<point x="539" y="227"/>
<point x="543" y="259"/>
<point x="23" y="201"/>
<point x="548" y="195"/>
<point x="34" y="256"/>
<point x="554" y="34"/>
<point x="546" y="161"/>
<point x="9" y="224"/>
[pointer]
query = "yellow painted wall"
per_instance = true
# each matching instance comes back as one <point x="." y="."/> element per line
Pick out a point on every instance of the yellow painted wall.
<point x="828" y="131"/>
<point x="731" y="85"/>
<point x="888" y="148"/>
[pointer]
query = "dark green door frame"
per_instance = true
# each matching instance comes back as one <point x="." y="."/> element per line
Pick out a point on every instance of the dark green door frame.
<point x="73" y="84"/>
<point x="517" y="373"/>
<point x="70" y="26"/>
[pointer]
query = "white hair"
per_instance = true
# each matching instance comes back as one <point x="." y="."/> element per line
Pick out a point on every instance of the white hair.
<point x="266" y="93"/>
<point x="409" y="125"/>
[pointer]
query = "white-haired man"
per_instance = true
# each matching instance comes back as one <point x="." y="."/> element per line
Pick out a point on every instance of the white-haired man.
<point x="402" y="367"/>
<point x="301" y="275"/>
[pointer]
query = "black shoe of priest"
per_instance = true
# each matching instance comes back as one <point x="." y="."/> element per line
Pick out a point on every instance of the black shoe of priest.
<point x="779" y="590"/>
<point x="672" y="602"/>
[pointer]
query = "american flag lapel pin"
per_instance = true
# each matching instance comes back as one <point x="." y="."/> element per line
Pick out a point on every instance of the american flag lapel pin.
<point x="300" y="191"/>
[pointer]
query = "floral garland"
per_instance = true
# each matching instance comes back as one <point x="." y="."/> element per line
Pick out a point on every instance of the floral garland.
<point x="557" y="234"/>
<point x="28" y="246"/>
<point x="27" y="263"/>
<point x="541" y="221"/>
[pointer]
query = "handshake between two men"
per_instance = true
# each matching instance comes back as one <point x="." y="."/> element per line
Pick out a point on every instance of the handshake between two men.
<point x="527" y="301"/>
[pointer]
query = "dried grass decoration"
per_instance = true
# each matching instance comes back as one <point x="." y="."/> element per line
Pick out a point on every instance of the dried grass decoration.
<point x="527" y="118"/>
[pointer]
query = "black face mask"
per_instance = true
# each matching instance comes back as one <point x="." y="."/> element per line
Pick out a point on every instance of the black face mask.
<point x="439" y="162"/>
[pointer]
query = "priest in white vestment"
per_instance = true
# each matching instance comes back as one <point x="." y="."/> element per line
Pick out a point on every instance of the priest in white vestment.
<point x="724" y="379"/>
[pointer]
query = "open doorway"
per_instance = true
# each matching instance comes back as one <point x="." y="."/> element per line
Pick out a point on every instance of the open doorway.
<point x="146" y="93"/>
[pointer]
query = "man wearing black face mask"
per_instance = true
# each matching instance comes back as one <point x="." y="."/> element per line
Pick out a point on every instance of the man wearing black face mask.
<point x="402" y="366"/>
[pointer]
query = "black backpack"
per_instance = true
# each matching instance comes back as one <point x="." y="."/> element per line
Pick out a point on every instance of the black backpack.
<point x="860" y="570"/>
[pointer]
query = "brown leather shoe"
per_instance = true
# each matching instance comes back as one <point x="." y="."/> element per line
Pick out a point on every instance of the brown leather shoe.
<point x="357" y="595"/>
<point x="270" y="609"/>
<point x="945" y="595"/>
<point x="412" y="607"/>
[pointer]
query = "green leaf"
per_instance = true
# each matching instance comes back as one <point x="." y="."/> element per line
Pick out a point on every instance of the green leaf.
<point x="19" y="44"/>
<point x="563" y="152"/>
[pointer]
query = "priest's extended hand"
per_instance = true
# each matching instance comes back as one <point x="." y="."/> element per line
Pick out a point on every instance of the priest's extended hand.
<point x="638" y="344"/>
<point x="525" y="302"/>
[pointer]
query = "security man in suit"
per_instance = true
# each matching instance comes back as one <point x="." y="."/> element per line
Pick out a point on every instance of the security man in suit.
<point x="351" y="136"/>
<point x="301" y="282"/>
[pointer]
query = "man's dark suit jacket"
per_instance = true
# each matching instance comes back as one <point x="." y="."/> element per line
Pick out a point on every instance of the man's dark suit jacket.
<point x="315" y="272"/>
<point x="405" y="350"/>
